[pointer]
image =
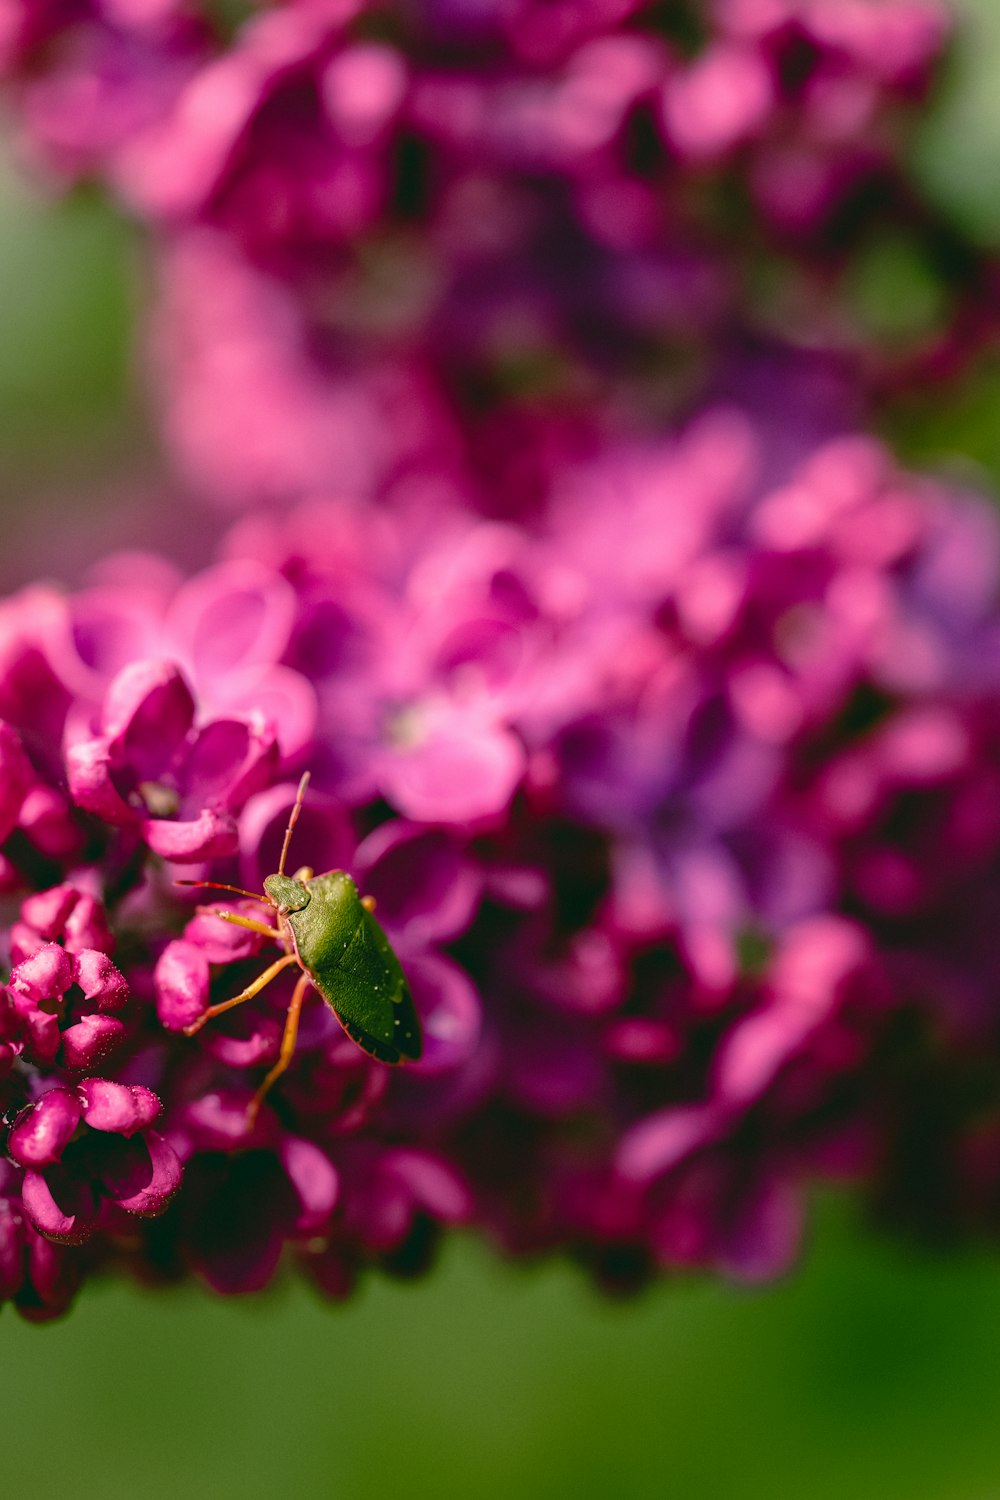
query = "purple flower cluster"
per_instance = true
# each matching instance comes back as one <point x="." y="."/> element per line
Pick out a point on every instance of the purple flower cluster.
<point x="81" y="1155"/>
<point x="678" y="807"/>
<point x="386" y="232"/>
<point x="670" y="762"/>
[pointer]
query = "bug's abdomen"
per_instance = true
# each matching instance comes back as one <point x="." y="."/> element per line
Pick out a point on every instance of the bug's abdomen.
<point x="352" y="964"/>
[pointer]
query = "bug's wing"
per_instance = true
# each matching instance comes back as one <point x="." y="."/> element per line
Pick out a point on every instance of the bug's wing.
<point x="367" y="990"/>
<point x="407" y="1046"/>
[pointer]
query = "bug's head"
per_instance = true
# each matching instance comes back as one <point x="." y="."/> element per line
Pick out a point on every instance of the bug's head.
<point x="286" y="893"/>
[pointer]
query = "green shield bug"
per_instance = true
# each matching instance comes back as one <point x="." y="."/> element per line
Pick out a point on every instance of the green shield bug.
<point x="330" y="933"/>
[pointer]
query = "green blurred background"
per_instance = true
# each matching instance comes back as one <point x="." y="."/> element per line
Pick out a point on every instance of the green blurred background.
<point x="873" y="1372"/>
<point x="869" y="1374"/>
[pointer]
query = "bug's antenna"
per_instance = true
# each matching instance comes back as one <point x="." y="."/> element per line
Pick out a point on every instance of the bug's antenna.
<point x="296" y="809"/>
<point x="214" y="884"/>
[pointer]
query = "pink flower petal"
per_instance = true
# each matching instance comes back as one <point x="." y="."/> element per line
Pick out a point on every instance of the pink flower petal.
<point x="144" y="1174"/>
<point x="90" y="1040"/>
<point x="59" y="1206"/>
<point x="181" y="979"/>
<point x="47" y="975"/>
<point x="212" y="835"/>
<point x="463" y="772"/>
<point x="88" y="770"/>
<point x="119" y="1107"/>
<point x="314" y="1178"/>
<point x="100" y="980"/>
<point x="42" y="1131"/>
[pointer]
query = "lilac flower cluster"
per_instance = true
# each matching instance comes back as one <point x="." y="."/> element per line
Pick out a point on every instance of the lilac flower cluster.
<point x="672" y="803"/>
<point x="385" y="231"/>
<point x="669" y="762"/>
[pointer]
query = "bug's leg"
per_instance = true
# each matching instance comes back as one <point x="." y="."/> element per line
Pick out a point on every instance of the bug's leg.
<point x="271" y="972"/>
<point x="287" y="1047"/>
<point x="238" y="920"/>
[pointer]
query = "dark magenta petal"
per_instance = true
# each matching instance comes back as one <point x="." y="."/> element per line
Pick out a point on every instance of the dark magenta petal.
<point x="43" y="1130"/>
<point x="764" y="1237"/>
<point x="90" y="1040"/>
<point x="238" y="1267"/>
<point x="10" y="1019"/>
<point x="141" y="1175"/>
<point x="223" y="942"/>
<point x="434" y="1184"/>
<point x="60" y="1207"/>
<point x="88" y="771"/>
<point x="380" y="1213"/>
<point x="12" y="1249"/>
<point x="246" y="1039"/>
<point x="24" y="942"/>
<point x="314" y="1178"/>
<point x="47" y="911"/>
<point x="425" y="887"/>
<point x="48" y="819"/>
<point x="46" y="975"/>
<point x="53" y="1275"/>
<point x="212" y="835"/>
<point x="40" y="1030"/>
<point x="87" y="926"/>
<point x="236" y="1215"/>
<point x="683" y="1231"/>
<point x="100" y="980"/>
<point x="228" y="761"/>
<point x="450" y="1011"/>
<point x="120" y="1107"/>
<point x="663" y="1141"/>
<point x="332" y="1269"/>
<point x="148" y="710"/>
<point x="16" y="776"/>
<point x="218" y="1121"/>
<point x="181" y="979"/>
<point x="554" y="1071"/>
<point x="638" y="1039"/>
<point x="589" y="977"/>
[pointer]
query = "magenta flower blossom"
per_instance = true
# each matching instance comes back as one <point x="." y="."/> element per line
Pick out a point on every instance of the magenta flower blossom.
<point x="148" y="758"/>
<point x="46" y="1022"/>
<point x="91" y="1151"/>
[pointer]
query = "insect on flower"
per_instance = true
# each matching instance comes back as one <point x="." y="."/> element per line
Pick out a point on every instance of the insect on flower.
<point x="329" y="931"/>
